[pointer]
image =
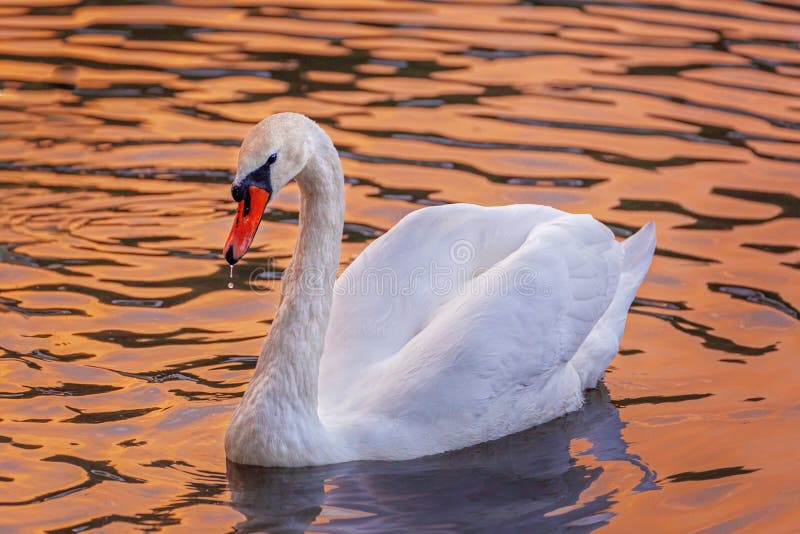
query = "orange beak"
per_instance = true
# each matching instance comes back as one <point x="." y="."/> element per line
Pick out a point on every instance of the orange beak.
<point x="245" y="224"/>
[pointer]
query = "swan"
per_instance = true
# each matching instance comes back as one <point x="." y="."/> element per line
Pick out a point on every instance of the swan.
<point x="460" y="325"/>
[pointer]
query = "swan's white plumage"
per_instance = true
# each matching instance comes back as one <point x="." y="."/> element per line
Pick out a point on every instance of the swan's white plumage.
<point x="440" y="369"/>
<point x="460" y="325"/>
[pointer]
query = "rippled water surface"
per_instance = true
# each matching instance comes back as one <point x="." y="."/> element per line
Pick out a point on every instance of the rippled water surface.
<point x="122" y="352"/>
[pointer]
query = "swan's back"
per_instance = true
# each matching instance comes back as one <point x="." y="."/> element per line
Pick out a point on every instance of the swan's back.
<point x="463" y="324"/>
<point x="396" y="285"/>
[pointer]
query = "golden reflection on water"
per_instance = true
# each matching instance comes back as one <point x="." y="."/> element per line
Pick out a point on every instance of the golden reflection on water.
<point x="120" y="126"/>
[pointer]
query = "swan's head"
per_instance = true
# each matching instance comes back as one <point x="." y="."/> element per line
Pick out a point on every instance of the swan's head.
<point x="273" y="153"/>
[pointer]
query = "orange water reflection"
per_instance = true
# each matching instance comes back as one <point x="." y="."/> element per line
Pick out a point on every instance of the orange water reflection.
<point x="119" y="127"/>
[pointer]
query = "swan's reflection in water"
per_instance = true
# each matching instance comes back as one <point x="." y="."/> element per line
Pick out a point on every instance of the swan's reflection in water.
<point x="525" y="481"/>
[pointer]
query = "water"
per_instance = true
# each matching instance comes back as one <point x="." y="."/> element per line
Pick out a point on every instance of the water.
<point x="123" y="353"/>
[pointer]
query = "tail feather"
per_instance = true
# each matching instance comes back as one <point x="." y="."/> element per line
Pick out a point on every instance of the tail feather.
<point x="638" y="250"/>
<point x="602" y="343"/>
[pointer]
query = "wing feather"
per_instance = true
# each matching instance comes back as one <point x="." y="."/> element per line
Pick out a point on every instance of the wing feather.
<point x="504" y="339"/>
<point x="399" y="282"/>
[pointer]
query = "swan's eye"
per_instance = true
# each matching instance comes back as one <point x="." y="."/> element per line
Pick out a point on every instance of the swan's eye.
<point x="261" y="176"/>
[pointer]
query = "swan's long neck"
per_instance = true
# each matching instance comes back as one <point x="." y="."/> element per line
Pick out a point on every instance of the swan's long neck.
<point x="294" y="346"/>
<point x="278" y="414"/>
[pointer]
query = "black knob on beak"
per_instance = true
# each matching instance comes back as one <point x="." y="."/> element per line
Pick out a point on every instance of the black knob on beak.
<point x="237" y="192"/>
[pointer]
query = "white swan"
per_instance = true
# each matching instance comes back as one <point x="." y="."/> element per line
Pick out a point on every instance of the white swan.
<point x="460" y="325"/>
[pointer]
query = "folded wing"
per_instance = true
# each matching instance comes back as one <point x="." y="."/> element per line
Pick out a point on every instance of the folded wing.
<point x="491" y="354"/>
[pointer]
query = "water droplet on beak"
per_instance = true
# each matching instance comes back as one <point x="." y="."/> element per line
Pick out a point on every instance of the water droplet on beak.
<point x="230" y="283"/>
